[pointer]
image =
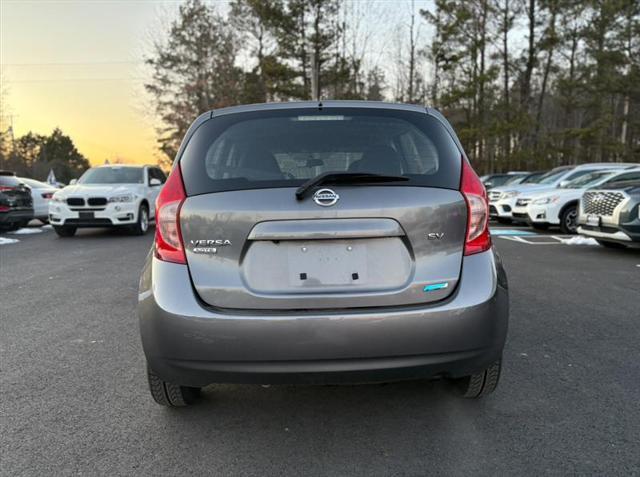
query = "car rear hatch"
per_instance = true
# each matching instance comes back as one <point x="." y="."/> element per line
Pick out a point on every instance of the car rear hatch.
<point x="14" y="194"/>
<point x="250" y="243"/>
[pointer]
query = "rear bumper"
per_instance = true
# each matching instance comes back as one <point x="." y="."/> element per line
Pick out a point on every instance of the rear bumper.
<point x="188" y="344"/>
<point x="16" y="215"/>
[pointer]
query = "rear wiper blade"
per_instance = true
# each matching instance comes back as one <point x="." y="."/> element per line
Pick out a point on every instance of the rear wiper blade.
<point x="345" y="178"/>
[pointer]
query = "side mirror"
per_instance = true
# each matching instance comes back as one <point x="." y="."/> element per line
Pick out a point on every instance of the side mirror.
<point x="563" y="183"/>
<point x="488" y="185"/>
<point x="154" y="182"/>
<point x="73" y="181"/>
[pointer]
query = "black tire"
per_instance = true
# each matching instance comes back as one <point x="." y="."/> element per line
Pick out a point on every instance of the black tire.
<point x="170" y="395"/>
<point x="504" y="220"/>
<point x="10" y="227"/>
<point x="65" y="230"/>
<point x="23" y="223"/>
<point x="480" y="384"/>
<point x="142" y="225"/>
<point x="607" y="244"/>
<point x="569" y="220"/>
<point x="540" y="226"/>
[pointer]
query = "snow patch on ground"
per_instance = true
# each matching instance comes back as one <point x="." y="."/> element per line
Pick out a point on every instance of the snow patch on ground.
<point x="7" y="241"/>
<point x="47" y="227"/>
<point x="579" y="240"/>
<point x="26" y="231"/>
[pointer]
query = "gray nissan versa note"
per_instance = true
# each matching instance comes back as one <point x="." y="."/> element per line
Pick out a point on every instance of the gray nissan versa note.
<point x="329" y="242"/>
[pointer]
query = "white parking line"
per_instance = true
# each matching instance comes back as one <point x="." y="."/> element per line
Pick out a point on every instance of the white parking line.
<point x="530" y="242"/>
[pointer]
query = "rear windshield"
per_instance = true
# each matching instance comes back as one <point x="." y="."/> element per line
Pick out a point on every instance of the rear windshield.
<point x="285" y="148"/>
<point x="9" y="181"/>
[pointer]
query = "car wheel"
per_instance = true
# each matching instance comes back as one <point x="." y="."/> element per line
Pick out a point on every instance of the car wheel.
<point x="168" y="394"/>
<point x="540" y="226"/>
<point x="504" y="220"/>
<point x="569" y="220"/>
<point x="142" y="225"/>
<point x="65" y="230"/>
<point x="607" y="244"/>
<point x="480" y="384"/>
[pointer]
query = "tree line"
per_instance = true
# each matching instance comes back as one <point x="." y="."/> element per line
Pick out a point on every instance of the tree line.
<point x="528" y="84"/>
<point x="34" y="155"/>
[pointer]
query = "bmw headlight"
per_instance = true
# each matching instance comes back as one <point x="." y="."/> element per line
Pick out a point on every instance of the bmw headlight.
<point x="546" y="200"/>
<point x="509" y="194"/>
<point x="121" y="198"/>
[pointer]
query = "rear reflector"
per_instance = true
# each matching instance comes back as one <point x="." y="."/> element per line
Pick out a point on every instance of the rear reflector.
<point x="478" y="238"/>
<point x="168" y="242"/>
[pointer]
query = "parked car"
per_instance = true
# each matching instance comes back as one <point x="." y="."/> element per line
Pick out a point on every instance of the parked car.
<point x="16" y="206"/>
<point x="610" y="213"/>
<point x="108" y="196"/>
<point x="530" y="178"/>
<point x="341" y="241"/>
<point x="560" y="206"/>
<point x="41" y="194"/>
<point x="496" y="180"/>
<point x="503" y="199"/>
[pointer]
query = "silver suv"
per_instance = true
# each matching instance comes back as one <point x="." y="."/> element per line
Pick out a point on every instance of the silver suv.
<point x="326" y="242"/>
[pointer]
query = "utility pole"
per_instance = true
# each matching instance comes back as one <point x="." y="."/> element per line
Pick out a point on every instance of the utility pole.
<point x="315" y="77"/>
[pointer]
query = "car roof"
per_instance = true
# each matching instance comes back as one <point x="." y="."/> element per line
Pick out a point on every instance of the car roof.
<point x="320" y="105"/>
<point x="607" y="165"/>
<point x="133" y="166"/>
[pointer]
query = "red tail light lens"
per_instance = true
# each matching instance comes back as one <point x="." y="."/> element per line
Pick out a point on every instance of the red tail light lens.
<point x="4" y="208"/>
<point x="168" y="246"/>
<point x="4" y="188"/>
<point x="478" y="237"/>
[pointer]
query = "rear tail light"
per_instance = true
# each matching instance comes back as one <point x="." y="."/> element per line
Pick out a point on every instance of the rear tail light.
<point x="478" y="238"/>
<point x="47" y="195"/>
<point x="4" y="208"/>
<point x="4" y="188"/>
<point x="168" y="245"/>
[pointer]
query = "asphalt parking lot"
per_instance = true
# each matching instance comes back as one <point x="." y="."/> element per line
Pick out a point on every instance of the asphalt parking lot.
<point x="75" y="400"/>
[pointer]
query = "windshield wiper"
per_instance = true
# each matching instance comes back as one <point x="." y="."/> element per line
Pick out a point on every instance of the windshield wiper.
<point x="345" y="178"/>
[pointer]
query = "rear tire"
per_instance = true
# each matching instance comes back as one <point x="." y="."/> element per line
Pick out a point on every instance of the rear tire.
<point x="480" y="384"/>
<point x="569" y="220"/>
<point x="170" y="395"/>
<point x="142" y="225"/>
<point x="65" y="230"/>
<point x="607" y="244"/>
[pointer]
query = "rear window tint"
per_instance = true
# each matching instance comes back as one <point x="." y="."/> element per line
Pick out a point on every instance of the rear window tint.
<point x="284" y="148"/>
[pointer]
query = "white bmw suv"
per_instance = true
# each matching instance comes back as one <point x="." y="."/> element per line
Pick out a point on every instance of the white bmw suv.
<point x="108" y="196"/>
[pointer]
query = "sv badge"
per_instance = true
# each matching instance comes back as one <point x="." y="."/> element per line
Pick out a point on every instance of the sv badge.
<point x="435" y="236"/>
